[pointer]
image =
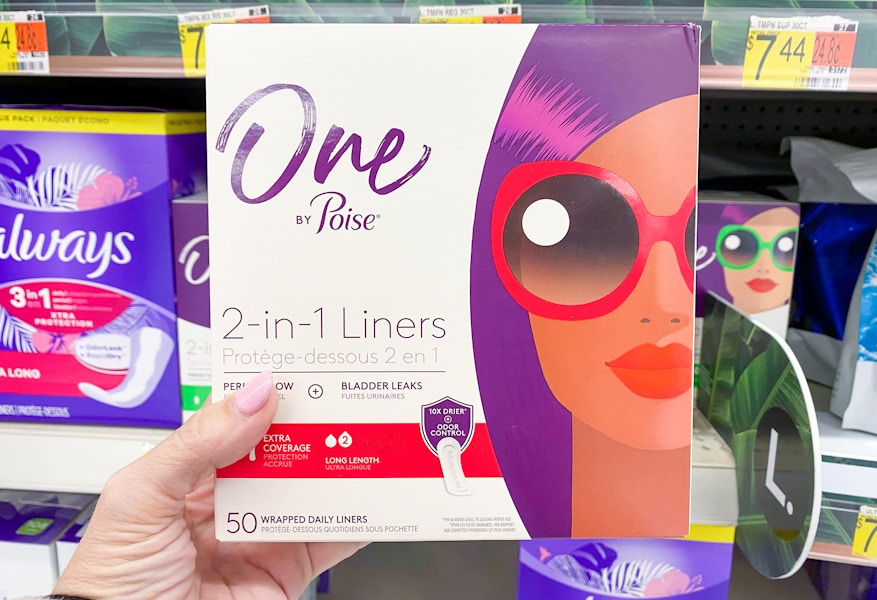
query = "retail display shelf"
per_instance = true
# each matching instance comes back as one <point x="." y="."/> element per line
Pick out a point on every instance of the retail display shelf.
<point x="116" y="66"/>
<point x="725" y="77"/>
<point x="141" y="39"/>
<point x="838" y="553"/>
<point x="849" y="482"/>
<point x="715" y="77"/>
<point x="68" y="458"/>
<point x="713" y="478"/>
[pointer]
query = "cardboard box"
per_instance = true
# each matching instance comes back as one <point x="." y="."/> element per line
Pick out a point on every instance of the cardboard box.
<point x="192" y="276"/>
<point x="86" y="293"/>
<point x="746" y="248"/>
<point x="598" y="569"/>
<point x="478" y="316"/>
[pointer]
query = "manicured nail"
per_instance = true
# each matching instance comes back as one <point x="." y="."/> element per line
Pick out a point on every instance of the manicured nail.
<point x="252" y="396"/>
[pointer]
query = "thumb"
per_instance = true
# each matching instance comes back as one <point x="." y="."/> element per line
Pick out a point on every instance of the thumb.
<point x="216" y="436"/>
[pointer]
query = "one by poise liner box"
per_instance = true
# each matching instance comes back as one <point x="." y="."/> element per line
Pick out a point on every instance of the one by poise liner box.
<point x="466" y="255"/>
<point x="192" y="276"/>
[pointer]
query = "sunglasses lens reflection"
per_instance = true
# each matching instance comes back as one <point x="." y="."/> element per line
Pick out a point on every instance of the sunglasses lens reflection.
<point x="570" y="239"/>
<point x="739" y="248"/>
<point x="784" y="249"/>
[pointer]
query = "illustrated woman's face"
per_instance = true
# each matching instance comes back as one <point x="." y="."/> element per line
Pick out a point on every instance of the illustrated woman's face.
<point x="758" y="258"/>
<point x="599" y="251"/>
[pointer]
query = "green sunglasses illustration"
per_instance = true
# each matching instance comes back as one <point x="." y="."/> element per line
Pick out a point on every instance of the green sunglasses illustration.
<point x="738" y="247"/>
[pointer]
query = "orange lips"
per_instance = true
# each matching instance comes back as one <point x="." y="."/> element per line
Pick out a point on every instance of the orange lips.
<point x="655" y="372"/>
<point x="761" y="285"/>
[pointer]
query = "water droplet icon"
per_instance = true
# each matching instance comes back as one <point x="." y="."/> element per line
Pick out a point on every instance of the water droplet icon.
<point x="331" y="442"/>
<point x="345" y="440"/>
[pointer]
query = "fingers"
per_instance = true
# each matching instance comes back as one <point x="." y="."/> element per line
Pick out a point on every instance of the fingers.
<point x="324" y="555"/>
<point x="216" y="436"/>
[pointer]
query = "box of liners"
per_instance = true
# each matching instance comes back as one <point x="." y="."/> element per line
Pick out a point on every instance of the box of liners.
<point x="466" y="254"/>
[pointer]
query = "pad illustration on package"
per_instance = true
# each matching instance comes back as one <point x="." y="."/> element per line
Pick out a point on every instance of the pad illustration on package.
<point x="492" y="308"/>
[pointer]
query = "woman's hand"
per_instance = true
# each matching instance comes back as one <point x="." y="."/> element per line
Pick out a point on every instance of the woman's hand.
<point x="152" y="532"/>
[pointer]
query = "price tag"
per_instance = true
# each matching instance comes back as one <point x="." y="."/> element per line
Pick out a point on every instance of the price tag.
<point x="808" y="53"/>
<point x="865" y="537"/>
<point x="192" y="26"/>
<point x="24" y="45"/>
<point x="490" y="13"/>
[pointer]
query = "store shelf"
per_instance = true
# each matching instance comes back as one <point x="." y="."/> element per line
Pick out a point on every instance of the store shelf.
<point x="68" y="458"/>
<point x="713" y="478"/>
<point x="714" y="77"/>
<point x="722" y="77"/>
<point x="116" y="66"/>
<point x="95" y="38"/>
<point x="849" y="480"/>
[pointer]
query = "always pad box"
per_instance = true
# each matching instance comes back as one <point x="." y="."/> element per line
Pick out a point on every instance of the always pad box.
<point x="466" y="255"/>
<point x="87" y="323"/>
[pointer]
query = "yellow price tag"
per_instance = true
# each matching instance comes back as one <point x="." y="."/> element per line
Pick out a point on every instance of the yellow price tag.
<point x="813" y="53"/>
<point x="192" y="28"/>
<point x="192" y="47"/>
<point x="865" y="537"/>
<point x="24" y="45"/>
<point x="778" y="59"/>
<point x="8" y="48"/>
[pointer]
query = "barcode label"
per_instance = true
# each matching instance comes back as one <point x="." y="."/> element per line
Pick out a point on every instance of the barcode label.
<point x="33" y="62"/>
<point x="33" y="65"/>
<point x="820" y="83"/>
<point x="826" y="78"/>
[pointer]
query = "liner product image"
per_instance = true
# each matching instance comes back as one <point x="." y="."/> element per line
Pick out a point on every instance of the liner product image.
<point x="87" y="301"/>
<point x="470" y="273"/>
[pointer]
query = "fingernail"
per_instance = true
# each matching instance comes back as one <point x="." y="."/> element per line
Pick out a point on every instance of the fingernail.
<point x="252" y="396"/>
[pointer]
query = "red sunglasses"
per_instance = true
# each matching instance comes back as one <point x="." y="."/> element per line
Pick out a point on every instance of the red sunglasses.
<point x="570" y="240"/>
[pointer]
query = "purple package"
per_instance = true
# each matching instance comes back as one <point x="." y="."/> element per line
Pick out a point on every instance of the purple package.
<point x="192" y="275"/>
<point x="603" y="569"/>
<point x="87" y="303"/>
<point x="746" y="246"/>
<point x="30" y="526"/>
<point x="38" y="517"/>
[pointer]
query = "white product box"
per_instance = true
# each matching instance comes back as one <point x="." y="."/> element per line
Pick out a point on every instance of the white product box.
<point x="451" y="260"/>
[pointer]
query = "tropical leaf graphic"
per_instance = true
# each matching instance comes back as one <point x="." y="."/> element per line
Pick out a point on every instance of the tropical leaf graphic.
<point x="14" y="191"/>
<point x="595" y="556"/>
<point x="631" y="577"/>
<point x="15" y="334"/>
<point x="137" y="316"/>
<point x="58" y="187"/>
<point x="626" y="578"/>
<point x="831" y="530"/>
